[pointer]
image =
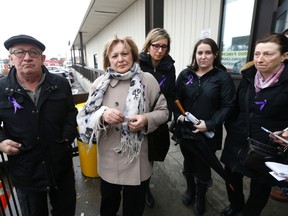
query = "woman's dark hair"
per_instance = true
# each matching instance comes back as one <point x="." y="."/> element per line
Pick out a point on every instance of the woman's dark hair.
<point x="285" y="32"/>
<point x="279" y="39"/>
<point x="215" y="50"/>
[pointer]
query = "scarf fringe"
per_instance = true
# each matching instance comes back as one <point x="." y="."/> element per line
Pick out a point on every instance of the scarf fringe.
<point x="96" y="134"/>
<point x="132" y="148"/>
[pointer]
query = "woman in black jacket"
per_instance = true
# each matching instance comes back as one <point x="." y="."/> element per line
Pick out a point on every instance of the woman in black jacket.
<point x="155" y="59"/>
<point x="207" y="91"/>
<point x="262" y="101"/>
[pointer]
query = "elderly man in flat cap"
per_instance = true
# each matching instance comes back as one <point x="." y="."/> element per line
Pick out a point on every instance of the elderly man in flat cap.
<point x="38" y="118"/>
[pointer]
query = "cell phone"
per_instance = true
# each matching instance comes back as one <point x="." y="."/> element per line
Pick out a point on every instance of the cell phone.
<point x="275" y="135"/>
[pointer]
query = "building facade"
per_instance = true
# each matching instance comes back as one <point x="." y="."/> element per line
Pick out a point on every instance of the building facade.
<point x="234" y="24"/>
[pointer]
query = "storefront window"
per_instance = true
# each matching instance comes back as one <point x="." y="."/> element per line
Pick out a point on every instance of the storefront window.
<point x="237" y="21"/>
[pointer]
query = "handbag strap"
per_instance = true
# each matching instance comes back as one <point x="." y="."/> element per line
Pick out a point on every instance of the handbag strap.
<point x="155" y="101"/>
<point x="247" y="111"/>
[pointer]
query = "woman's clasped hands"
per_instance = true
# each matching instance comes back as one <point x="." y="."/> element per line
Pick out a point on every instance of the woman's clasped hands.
<point x="137" y="123"/>
<point x="113" y="116"/>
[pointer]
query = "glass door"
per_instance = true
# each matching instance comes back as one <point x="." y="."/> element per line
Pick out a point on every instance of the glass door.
<point x="281" y="23"/>
<point x="236" y="33"/>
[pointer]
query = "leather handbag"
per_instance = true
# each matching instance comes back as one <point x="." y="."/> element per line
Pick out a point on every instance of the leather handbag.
<point x="258" y="153"/>
<point x="158" y="140"/>
<point x="175" y="130"/>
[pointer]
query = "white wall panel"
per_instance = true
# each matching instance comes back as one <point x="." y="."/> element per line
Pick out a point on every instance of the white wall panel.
<point x="130" y="23"/>
<point x="185" y="20"/>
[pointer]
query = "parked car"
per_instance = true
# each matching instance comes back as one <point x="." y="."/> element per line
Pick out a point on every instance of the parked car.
<point x="67" y="73"/>
<point x="67" y="64"/>
<point x="54" y="68"/>
<point x="4" y="68"/>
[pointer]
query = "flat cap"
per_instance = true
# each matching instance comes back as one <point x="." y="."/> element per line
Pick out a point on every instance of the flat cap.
<point x="23" y="39"/>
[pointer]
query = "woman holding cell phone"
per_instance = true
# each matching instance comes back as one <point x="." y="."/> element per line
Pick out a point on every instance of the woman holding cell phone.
<point x="262" y="102"/>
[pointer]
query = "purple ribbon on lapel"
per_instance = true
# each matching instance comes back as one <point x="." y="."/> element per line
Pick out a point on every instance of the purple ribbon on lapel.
<point x="262" y="103"/>
<point x="15" y="104"/>
<point x="163" y="79"/>
<point x="190" y="80"/>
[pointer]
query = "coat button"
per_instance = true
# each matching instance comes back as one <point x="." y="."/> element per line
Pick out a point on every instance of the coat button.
<point x="116" y="104"/>
<point x="117" y="129"/>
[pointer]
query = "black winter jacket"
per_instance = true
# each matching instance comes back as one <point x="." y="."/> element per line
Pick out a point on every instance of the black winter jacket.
<point x="273" y="115"/>
<point x="210" y="98"/>
<point x="165" y="75"/>
<point x="42" y="129"/>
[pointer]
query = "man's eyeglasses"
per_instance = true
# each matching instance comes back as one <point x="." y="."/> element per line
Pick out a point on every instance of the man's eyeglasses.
<point x="157" y="47"/>
<point x="32" y="53"/>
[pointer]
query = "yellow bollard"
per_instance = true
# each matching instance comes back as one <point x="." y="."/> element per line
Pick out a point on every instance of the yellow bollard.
<point x="88" y="159"/>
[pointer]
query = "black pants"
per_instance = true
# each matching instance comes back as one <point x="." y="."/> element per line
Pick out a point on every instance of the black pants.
<point x="193" y="164"/>
<point x="258" y="197"/>
<point x="62" y="200"/>
<point x="133" y="198"/>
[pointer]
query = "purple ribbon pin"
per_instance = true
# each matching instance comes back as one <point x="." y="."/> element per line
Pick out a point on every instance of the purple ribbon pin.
<point x="15" y="104"/>
<point x="190" y="80"/>
<point x="162" y="80"/>
<point x="261" y="103"/>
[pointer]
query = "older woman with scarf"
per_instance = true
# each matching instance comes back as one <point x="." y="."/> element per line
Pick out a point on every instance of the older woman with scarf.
<point x="117" y="115"/>
<point x="262" y="101"/>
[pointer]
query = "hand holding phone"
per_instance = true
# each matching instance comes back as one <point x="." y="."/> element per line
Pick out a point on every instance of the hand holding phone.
<point x="276" y="135"/>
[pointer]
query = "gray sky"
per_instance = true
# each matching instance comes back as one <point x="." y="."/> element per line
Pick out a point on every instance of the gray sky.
<point x="53" y="22"/>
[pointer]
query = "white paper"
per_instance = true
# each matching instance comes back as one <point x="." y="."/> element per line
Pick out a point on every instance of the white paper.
<point x="276" y="176"/>
<point x="279" y="170"/>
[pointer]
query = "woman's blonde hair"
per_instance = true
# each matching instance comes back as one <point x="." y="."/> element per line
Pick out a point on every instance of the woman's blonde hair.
<point x="154" y="35"/>
<point x="128" y="43"/>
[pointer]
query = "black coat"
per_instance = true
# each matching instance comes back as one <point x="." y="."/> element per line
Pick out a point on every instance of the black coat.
<point x="210" y="98"/>
<point x="165" y="75"/>
<point x="41" y="129"/>
<point x="273" y="116"/>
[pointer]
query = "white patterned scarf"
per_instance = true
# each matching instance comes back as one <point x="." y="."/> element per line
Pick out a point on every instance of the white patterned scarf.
<point x="88" y="117"/>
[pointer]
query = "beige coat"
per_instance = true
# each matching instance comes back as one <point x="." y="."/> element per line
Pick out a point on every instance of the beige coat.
<point x="113" y="167"/>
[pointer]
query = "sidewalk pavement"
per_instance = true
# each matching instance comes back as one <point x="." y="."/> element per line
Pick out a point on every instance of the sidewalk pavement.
<point x="167" y="185"/>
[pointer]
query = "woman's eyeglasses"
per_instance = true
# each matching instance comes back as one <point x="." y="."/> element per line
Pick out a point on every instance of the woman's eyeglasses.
<point x="157" y="47"/>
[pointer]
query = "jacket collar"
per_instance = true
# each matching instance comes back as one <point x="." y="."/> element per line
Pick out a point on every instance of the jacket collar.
<point x="166" y="62"/>
<point x="12" y="84"/>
